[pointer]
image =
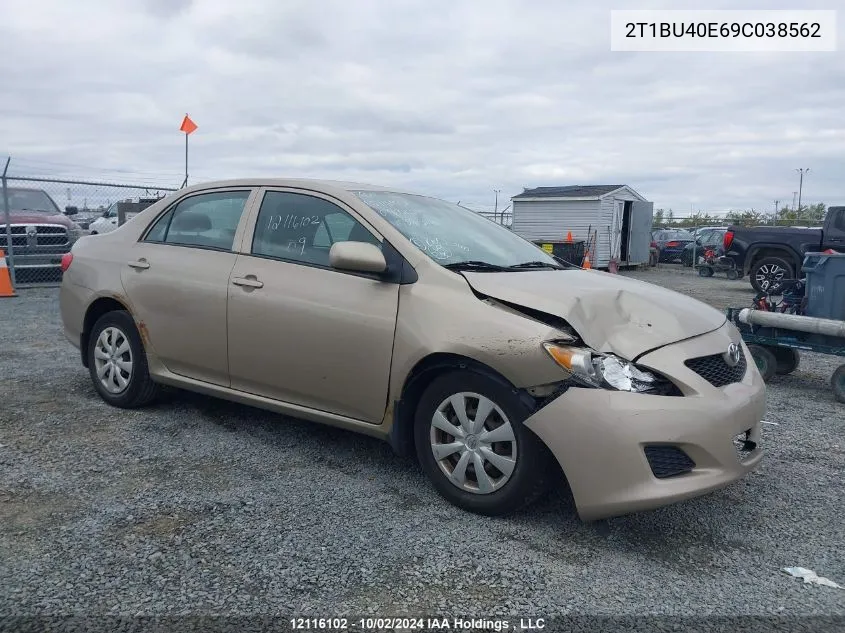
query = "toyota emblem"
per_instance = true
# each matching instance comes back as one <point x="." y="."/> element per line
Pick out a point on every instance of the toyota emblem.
<point x="733" y="355"/>
<point x="31" y="230"/>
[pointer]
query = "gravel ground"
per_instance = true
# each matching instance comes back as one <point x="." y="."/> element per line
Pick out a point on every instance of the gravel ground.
<point x="199" y="506"/>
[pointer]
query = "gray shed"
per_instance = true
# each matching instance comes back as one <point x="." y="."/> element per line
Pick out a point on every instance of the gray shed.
<point x="619" y="216"/>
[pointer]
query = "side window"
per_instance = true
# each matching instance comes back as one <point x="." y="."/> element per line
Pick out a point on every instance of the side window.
<point x="839" y="222"/>
<point x="302" y="228"/>
<point x="159" y="230"/>
<point x="208" y="220"/>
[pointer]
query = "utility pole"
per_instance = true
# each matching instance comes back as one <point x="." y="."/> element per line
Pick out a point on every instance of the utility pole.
<point x="777" y="202"/>
<point x="496" y="206"/>
<point x="802" y="171"/>
<point x="794" y="194"/>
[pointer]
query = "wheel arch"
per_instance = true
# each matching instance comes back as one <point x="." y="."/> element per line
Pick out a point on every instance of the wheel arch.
<point x="98" y="307"/>
<point x="423" y="373"/>
<point x="760" y="251"/>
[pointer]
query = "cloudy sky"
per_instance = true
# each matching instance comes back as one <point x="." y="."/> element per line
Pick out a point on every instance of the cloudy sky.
<point x="453" y="98"/>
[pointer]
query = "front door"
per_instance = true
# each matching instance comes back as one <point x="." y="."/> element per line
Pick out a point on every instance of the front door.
<point x="300" y="331"/>
<point x="177" y="277"/>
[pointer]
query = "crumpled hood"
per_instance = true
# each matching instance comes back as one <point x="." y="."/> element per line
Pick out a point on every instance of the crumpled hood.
<point x="611" y="313"/>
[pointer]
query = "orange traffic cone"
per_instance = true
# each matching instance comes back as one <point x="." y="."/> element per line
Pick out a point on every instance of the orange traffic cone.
<point x="587" y="265"/>
<point x="569" y="236"/>
<point x="6" y="288"/>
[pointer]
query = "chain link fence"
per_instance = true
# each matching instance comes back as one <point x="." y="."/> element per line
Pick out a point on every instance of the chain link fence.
<point x="42" y="217"/>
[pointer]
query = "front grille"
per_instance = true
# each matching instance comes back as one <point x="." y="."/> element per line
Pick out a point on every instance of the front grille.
<point x="45" y="235"/>
<point x="716" y="371"/>
<point x="668" y="461"/>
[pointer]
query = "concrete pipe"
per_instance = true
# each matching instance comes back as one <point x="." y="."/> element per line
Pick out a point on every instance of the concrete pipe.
<point x="813" y="325"/>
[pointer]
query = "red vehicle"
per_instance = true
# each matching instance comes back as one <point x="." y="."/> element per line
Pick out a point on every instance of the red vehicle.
<point x="38" y="231"/>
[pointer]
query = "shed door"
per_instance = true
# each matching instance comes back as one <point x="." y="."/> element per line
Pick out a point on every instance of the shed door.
<point x="641" y="218"/>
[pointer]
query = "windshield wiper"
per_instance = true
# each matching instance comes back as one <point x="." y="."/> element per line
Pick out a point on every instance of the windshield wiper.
<point x="474" y="264"/>
<point x="537" y="265"/>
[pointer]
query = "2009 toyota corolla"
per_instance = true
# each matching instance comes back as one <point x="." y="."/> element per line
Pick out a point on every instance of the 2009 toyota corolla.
<point x="417" y="321"/>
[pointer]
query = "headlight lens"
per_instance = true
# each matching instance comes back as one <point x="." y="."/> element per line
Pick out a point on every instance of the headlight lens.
<point x="602" y="370"/>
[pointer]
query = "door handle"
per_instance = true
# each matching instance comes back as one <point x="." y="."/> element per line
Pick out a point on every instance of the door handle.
<point x="141" y="264"/>
<point x="249" y="282"/>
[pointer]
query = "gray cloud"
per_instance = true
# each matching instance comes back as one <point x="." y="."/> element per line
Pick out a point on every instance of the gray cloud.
<point x="452" y="99"/>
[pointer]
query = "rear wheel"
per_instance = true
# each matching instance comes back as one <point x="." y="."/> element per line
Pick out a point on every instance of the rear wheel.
<point x="472" y="444"/>
<point x="765" y="361"/>
<point x="787" y="360"/>
<point x="705" y="271"/>
<point x="732" y="274"/>
<point x="117" y="362"/>
<point x="768" y="274"/>
<point x="837" y="382"/>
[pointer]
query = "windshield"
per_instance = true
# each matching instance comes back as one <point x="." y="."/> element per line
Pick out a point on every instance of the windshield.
<point x="31" y="200"/>
<point x="450" y="234"/>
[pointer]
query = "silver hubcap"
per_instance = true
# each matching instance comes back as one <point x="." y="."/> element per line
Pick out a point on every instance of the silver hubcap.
<point x="473" y="443"/>
<point x="769" y="274"/>
<point x="113" y="360"/>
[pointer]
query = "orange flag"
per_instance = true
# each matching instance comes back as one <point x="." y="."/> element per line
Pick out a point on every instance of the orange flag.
<point x="188" y="126"/>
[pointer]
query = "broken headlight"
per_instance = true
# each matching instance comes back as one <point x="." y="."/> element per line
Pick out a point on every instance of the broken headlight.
<point x="606" y="371"/>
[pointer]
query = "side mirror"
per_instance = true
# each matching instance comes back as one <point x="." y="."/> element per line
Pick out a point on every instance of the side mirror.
<point x="359" y="257"/>
<point x="71" y="210"/>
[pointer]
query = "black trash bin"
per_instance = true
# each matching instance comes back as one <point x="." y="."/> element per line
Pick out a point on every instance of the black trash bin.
<point x="572" y="252"/>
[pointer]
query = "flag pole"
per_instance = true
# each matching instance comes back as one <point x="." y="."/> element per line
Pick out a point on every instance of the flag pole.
<point x="185" y="184"/>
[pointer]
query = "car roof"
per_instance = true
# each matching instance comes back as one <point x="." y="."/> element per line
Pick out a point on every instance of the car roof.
<point x="298" y="182"/>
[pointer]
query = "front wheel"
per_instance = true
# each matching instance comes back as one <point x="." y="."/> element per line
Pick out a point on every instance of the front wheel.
<point x="473" y="446"/>
<point x="117" y="362"/>
<point x="732" y="274"/>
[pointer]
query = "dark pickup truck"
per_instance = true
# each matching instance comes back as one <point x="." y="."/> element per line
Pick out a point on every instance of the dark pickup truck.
<point x="771" y="254"/>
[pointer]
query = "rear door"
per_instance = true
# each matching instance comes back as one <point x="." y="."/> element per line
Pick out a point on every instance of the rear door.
<point x="177" y="277"/>
<point x="303" y="332"/>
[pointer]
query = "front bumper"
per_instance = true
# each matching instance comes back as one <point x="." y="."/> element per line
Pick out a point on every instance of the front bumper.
<point x="599" y="436"/>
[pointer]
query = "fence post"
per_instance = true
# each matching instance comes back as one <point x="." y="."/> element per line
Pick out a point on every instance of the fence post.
<point x="10" y="255"/>
<point x="694" y="247"/>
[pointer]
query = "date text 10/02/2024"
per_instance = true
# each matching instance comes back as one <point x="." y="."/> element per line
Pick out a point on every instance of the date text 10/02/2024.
<point x="421" y="624"/>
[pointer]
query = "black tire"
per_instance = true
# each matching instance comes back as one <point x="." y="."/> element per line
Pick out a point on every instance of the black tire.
<point x="535" y="468"/>
<point x="837" y="383"/>
<point x="786" y="359"/>
<point x="705" y="271"/>
<point x="732" y="274"/>
<point x="140" y="389"/>
<point x="765" y="361"/>
<point x="766" y="274"/>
